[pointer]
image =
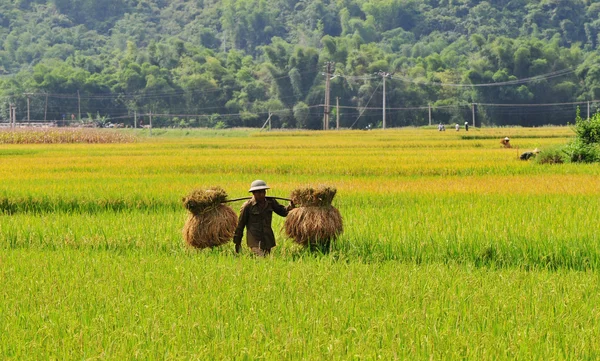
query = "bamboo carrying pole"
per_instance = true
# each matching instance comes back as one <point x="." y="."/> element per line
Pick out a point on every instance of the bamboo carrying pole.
<point x="245" y="198"/>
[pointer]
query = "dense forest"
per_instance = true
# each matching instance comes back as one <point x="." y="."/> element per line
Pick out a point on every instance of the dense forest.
<point x="230" y="63"/>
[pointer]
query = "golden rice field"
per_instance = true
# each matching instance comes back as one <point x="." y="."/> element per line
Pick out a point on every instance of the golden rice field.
<point x="452" y="248"/>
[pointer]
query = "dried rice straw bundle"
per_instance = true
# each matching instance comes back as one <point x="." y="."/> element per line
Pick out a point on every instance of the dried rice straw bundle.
<point x="201" y="200"/>
<point x="209" y="223"/>
<point x="315" y="221"/>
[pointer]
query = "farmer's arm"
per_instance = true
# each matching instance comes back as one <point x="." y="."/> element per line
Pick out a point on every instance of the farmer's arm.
<point x="239" y="231"/>
<point x="281" y="210"/>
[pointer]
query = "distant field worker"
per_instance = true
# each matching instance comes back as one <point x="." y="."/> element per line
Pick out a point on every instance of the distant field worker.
<point x="457" y="127"/>
<point x="528" y="155"/>
<point x="467" y="126"/>
<point x="256" y="216"/>
<point x="506" y="142"/>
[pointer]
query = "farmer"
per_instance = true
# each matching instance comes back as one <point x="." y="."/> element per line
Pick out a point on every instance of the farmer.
<point x="256" y="215"/>
<point x="528" y="155"/>
<point x="506" y="142"/>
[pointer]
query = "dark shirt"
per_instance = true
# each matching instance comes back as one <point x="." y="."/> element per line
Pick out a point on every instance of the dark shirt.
<point x="257" y="219"/>
<point x="527" y="155"/>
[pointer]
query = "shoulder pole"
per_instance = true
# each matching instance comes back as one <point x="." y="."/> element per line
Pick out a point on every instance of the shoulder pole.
<point x="245" y="198"/>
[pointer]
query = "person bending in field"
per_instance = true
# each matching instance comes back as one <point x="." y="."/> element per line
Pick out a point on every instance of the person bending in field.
<point x="528" y="155"/>
<point x="256" y="215"/>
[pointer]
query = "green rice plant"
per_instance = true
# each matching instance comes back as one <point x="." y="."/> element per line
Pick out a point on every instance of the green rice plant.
<point x="76" y="304"/>
<point x="452" y="248"/>
<point x="494" y="229"/>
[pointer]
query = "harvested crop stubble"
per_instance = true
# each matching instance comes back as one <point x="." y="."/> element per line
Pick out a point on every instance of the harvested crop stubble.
<point x="209" y="223"/>
<point x="315" y="221"/>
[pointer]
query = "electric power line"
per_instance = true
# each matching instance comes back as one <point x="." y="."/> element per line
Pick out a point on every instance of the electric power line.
<point x="509" y="82"/>
<point x="366" y="104"/>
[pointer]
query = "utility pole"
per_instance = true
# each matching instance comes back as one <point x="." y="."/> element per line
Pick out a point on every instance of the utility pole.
<point x="383" y="75"/>
<point x="150" y="123"/>
<point x="429" y="113"/>
<point x="588" y="106"/>
<point x="384" y="101"/>
<point x="46" y="108"/>
<point x="78" y="106"/>
<point x="13" y="116"/>
<point x="337" y="113"/>
<point x="328" y="66"/>
<point x="473" y="112"/>
<point x="135" y="119"/>
<point x="268" y="121"/>
<point x="28" y="118"/>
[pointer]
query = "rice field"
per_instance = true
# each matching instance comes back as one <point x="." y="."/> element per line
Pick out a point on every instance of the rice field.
<point x="452" y="248"/>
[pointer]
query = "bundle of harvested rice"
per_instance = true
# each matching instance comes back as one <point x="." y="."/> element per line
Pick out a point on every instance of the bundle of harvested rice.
<point x="315" y="221"/>
<point x="201" y="200"/>
<point x="321" y="196"/>
<point x="209" y="223"/>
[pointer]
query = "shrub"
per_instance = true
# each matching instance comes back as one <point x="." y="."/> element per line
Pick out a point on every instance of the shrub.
<point x="551" y="156"/>
<point x="220" y="125"/>
<point x="580" y="152"/>
<point x="588" y="131"/>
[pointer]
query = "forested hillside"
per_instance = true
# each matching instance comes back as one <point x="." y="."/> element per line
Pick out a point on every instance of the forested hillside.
<point x="233" y="62"/>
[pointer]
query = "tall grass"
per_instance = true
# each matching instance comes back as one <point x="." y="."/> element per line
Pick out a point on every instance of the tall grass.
<point x="411" y="195"/>
<point x="533" y="231"/>
<point x="82" y="304"/>
<point x="452" y="248"/>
